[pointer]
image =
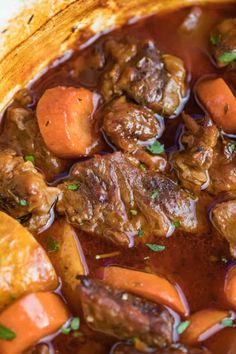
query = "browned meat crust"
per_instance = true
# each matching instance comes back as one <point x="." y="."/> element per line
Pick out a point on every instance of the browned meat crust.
<point x="23" y="192"/>
<point x="109" y="187"/>
<point x="123" y="315"/>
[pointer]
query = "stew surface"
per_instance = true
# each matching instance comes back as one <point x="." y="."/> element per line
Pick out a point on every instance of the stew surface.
<point x="118" y="194"/>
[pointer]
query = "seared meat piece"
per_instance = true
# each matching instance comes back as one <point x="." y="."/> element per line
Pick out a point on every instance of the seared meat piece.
<point x="193" y="163"/>
<point x="175" y="349"/>
<point x="223" y="42"/>
<point x="224" y="219"/>
<point x="101" y="193"/>
<point x="21" y="133"/>
<point x="23" y="192"/>
<point x="144" y="74"/>
<point x="131" y="127"/>
<point x="207" y="160"/>
<point x="223" y="169"/>
<point x="123" y="315"/>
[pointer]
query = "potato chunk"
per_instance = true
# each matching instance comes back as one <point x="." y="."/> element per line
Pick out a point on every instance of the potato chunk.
<point x="66" y="254"/>
<point x="24" y="265"/>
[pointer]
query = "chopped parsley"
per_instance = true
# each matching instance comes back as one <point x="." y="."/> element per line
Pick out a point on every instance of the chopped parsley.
<point x="227" y="322"/>
<point x="30" y="158"/>
<point x="23" y="202"/>
<point x="224" y="260"/>
<point x="72" y="187"/>
<point x="77" y="334"/>
<point x="142" y="167"/>
<point x="176" y="223"/>
<point x="182" y="326"/>
<point x="155" y="248"/>
<point x="140" y="232"/>
<point x="6" y="333"/>
<point x="74" y="326"/>
<point x="65" y="330"/>
<point x="156" y="148"/>
<point x="155" y="193"/>
<point x="133" y="212"/>
<point x="230" y="148"/>
<point x="227" y="57"/>
<point x="215" y="39"/>
<point x="53" y="245"/>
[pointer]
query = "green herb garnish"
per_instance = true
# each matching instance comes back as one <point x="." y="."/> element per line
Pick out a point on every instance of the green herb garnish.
<point x="227" y="57"/>
<point x="30" y="158"/>
<point x="156" y="148"/>
<point x="155" y="248"/>
<point x="230" y="148"/>
<point x="227" y="322"/>
<point x="155" y="193"/>
<point x="224" y="260"/>
<point x="6" y="333"/>
<point x="75" y="324"/>
<point x="77" y="334"/>
<point x="215" y="39"/>
<point x="140" y="232"/>
<point x="142" y="167"/>
<point x="182" y="326"/>
<point x="66" y="330"/>
<point x="53" y="245"/>
<point x="226" y="108"/>
<point x="176" y="223"/>
<point x="133" y="212"/>
<point x="72" y="187"/>
<point x="23" y="202"/>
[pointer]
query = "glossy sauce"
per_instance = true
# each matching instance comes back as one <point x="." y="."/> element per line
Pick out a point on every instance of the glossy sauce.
<point x="197" y="263"/>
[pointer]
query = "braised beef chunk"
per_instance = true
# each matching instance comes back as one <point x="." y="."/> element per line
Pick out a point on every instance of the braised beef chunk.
<point x="224" y="219"/>
<point x="223" y="169"/>
<point x="123" y="315"/>
<point x="23" y="192"/>
<point x="148" y="77"/>
<point x="174" y="349"/>
<point x="21" y="133"/>
<point x="129" y="126"/>
<point x="194" y="160"/>
<point x="101" y="193"/>
<point x="223" y="42"/>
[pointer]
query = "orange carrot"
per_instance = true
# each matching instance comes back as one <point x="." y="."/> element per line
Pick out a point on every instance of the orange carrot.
<point x="200" y="322"/>
<point x="65" y="120"/>
<point x="230" y="286"/>
<point x="30" y="319"/>
<point x="219" y="101"/>
<point x="150" y="286"/>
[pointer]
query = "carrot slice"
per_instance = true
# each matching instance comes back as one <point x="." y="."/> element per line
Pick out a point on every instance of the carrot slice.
<point x="219" y="101"/>
<point x="230" y="286"/>
<point x="200" y="322"/>
<point x="65" y="120"/>
<point x="32" y="318"/>
<point x="152" y="287"/>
